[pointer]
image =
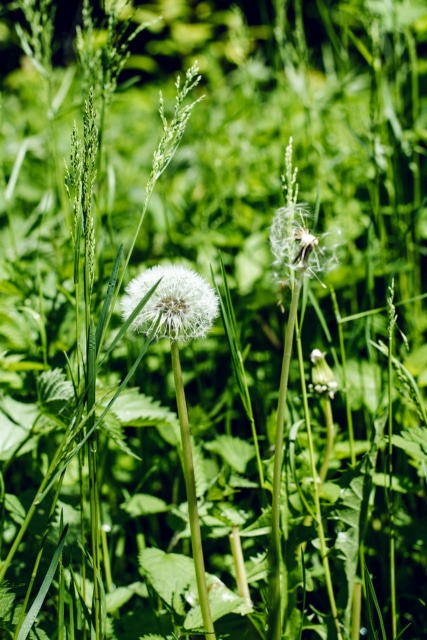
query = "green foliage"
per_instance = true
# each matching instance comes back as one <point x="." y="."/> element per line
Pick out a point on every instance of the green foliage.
<point x="88" y="429"/>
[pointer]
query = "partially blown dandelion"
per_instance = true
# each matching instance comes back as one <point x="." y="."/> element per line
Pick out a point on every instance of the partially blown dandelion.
<point x="185" y="302"/>
<point x="294" y="246"/>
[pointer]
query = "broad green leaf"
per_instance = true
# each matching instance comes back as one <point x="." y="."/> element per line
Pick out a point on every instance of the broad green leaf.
<point x="173" y="577"/>
<point x="7" y="599"/>
<point x="142" y="504"/>
<point x="234" y="451"/>
<point x="16" y="423"/>
<point x="137" y="410"/>
<point x="350" y="513"/>
<point x="121" y="595"/>
<point x="414" y="442"/>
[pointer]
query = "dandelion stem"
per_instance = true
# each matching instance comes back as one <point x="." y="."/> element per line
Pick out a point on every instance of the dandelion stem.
<point x="190" y="485"/>
<point x="277" y="599"/>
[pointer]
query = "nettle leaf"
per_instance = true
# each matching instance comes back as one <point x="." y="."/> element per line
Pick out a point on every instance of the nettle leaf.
<point x="15" y="508"/>
<point x="134" y="409"/>
<point x="143" y="504"/>
<point x="7" y="598"/>
<point x="413" y="442"/>
<point x="363" y="384"/>
<point x="152" y="636"/>
<point x="112" y="427"/>
<point x="16" y="424"/>
<point x="173" y="577"/>
<point x="350" y="513"/>
<point x="234" y="451"/>
<point x="54" y="390"/>
<point x="121" y="595"/>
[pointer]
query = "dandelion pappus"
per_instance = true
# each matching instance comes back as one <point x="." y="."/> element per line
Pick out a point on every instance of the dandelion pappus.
<point x="307" y="243"/>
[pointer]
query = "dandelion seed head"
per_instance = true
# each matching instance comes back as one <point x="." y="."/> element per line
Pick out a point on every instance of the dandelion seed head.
<point x="295" y="245"/>
<point x="186" y="303"/>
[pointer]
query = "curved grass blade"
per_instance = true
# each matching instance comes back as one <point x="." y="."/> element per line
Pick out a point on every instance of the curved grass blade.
<point x="371" y="597"/>
<point x="38" y="602"/>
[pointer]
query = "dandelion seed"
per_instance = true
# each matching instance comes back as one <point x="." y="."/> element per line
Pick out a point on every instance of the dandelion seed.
<point x="185" y="302"/>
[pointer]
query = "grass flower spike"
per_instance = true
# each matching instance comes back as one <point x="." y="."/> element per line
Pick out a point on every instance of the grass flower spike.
<point x="187" y="304"/>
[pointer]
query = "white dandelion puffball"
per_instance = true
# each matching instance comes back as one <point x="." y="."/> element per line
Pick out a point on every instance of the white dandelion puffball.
<point x="186" y="303"/>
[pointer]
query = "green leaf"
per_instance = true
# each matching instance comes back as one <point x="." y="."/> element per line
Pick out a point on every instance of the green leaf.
<point x="142" y="504"/>
<point x="234" y="451"/>
<point x="16" y="424"/>
<point x="121" y="595"/>
<point x="173" y="577"/>
<point x="44" y="588"/>
<point x="54" y="390"/>
<point x="350" y="513"/>
<point x="413" y="441"/>
<point x="7" y="598"/>
<point x="135" y="409"/>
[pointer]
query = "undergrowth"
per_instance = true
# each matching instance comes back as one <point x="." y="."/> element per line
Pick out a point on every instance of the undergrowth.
<point x="286" y="496"/>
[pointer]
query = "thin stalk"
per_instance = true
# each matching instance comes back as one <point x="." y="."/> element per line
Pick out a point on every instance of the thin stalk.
<point x="190" y="485"/>
<point x="356" y="610"/>
<point x="278" y="600"/>
<point x="239" y="565"/>
<point x="316" y="496"/>
<point x="92" y="451"/>
<point x="327" y="410"/>
<point x="390" y="501"/>
<point x="35" y="503"/>
<point x="349" y="415"/>
<point x="39" y="556"/>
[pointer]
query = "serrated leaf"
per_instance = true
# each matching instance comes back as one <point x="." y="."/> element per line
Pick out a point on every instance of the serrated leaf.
<point x="112" y="427"/>
<point x="16" y="422"/>
<point x="170" y="575"/>
<point x="173" y="577"/>
<point x="413" y="441"/>
<point x="7" y="599"/>
<point x="138" y="410"/>
<point x="55" y="391"/>
<point x="142" y="504"/>
<point x="350" y="512"/>
<point x="121" y="595"/>
<point x="15" y="508"/>
<point x="235" y="451"/>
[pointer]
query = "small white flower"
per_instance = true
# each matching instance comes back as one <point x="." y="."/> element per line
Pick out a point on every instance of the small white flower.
<point x="186" y="303"/>
<point x="322" y="377"/>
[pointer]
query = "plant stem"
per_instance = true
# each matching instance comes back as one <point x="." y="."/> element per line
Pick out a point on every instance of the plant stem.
<point x="356" y="610"/>
<point x="327" y="409"/>
<point x="277" y="602"/>
<point x="190" y="485"/>
<point x="316" y="496"/>
<point x="239" y="565"/>
<point x="390" y="498"/>
<point x="349" y="415"/>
